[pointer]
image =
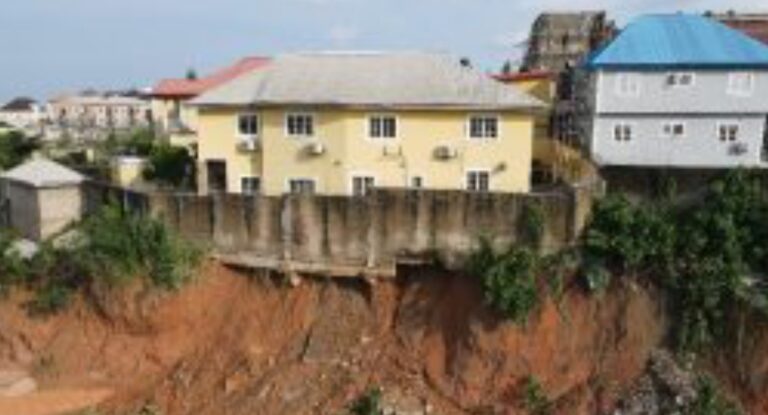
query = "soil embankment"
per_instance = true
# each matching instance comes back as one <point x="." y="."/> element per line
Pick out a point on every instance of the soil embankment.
<point x="239" y="345"/>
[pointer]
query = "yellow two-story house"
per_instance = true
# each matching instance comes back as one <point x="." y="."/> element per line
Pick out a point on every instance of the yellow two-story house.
<point x="343" y="123"/>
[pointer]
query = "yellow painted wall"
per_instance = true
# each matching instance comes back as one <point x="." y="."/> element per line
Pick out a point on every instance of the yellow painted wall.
<point x="541" y="88"/>
<point x="349" y="150"/>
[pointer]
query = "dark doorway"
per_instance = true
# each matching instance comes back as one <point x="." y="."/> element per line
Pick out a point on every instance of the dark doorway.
<point x="217" y="175"/>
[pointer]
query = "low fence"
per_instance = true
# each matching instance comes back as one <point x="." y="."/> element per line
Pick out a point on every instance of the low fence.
<point x="350" y="236"/>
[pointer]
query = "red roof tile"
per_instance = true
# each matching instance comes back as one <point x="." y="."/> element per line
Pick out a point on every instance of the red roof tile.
<point x="523" y="76"/>
<point x="194" y="87"/>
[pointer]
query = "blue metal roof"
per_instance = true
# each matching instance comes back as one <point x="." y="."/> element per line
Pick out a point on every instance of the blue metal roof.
<point x="680" y="40"/>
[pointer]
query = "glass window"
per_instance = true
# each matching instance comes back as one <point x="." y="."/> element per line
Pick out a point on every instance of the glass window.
<point x="382" y="127"/>
<point x="478" y="181"/>
<point x="248" y="124"/>
<point x="628" y="85"/>
<point x="674" y="129"/>
<point x="300" y="125"/>
<point x="728" y="132"/>
<point x="417" y="182"/>
<point x="483" y="126"/>
<point x="622" y="132"/>
<point x="250" y="185"/>
<point x="741" y="83"/>
<point x="301" y="186"/>
<point x="362" y="185"/>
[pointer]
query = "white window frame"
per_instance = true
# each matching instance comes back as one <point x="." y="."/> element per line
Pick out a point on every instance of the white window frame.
<point x="633" y="80"/>
<point x="239" y="118"/>
<point x="312" y="116"/>
<point x="360" y="175"/>
<point x="467" y="172"/>
<point x="673" y="124"/>
<point x="369" y="127"/>
<point x="417" y="176"/>
<point x="242" y="188"/>
<point x="677" y="77"/>
<point x="732" y="88"/>
<point x="623" y="125"/>
<point x="484" y="137"/>
<point x="288" y="181"/>
<point x="728" y="124"/>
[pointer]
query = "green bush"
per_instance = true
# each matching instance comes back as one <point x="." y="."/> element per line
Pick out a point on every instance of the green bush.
<point x="510" y="284"/>
<point x="119" y="246"/>
<point x="532" y="225"/>
<point x="368" y="404"/>
<point x="535" y="400"/>
<point x="170" y="165"/>
<point x="13" y="269"/>
<point x="710" y="255"/>
<point x="710" y="401"/>
<point x="15" y="147"/>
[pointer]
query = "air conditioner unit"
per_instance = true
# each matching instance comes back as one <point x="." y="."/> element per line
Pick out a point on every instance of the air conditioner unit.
<point x="315" y="149"/>
<point x="738" y="149"/>
<point x="445" y="152"/>
<point x="251" y="144"/>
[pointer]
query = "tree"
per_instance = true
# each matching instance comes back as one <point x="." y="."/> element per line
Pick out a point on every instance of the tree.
<point x="15" y="147"/>
<point x="191" y="74"/>
<point x="169" y="165"/>
<point x="506" y="69"/>
<point x="465" y="62"/>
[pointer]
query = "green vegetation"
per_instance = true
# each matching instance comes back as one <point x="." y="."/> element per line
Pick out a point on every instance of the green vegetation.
<point x="709" y="255"/>
<point x="170" y="165"/>
<point x="113" y="248"/>
<point x="15" y="147"/>
<point x="710" y="401"/>
<point x="535" y="400"/>
<point x="367" y="404"/>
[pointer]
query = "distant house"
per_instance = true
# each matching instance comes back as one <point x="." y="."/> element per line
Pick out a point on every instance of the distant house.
<point x="93" y="115"/>
<point x="21" y="113"/>
<point x="344" y="123"/>
<point x="752" y="24"/>
<point x="677" y="91"/>
<point x="43" y="198"/>
<point x="172" y="115"/>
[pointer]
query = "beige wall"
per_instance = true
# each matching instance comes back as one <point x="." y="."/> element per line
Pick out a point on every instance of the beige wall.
<point x="38" y="214"/>
<point x="349" y="150"/>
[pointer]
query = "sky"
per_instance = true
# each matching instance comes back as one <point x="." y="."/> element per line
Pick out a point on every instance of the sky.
<point x="55" y="46"/>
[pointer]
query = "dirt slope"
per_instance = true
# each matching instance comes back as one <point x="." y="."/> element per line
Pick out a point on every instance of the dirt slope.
<point x="239" y="344"/>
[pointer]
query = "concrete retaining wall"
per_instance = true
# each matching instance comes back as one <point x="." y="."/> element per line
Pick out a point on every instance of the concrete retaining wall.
<point x="344" y="236"/>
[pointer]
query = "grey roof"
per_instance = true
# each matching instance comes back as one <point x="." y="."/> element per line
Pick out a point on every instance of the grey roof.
<point x="20" y="104"/>
<point x="43" y="173"/>
<point x="405" y="79"/>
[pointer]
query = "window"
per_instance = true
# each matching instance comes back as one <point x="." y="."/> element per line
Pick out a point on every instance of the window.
<point x="622" y="132"/>
<point x="728" y="132"/>
<point x="362" y="185"/>
<point x="250" y="185"/>
<point x="628" y="85"/>
<point x="483" y="126"/>
<point x="300" y="125"/>
<point x="417" y="182"/>
<point x="248" y="125"/>
<point x="382" y="127"/>
<point x="741" y="83"/>
<point x="478" y="181"/>
<point x="674" y="129"/>
<point x="301" y="186"/>
<point x="679" y="79"/>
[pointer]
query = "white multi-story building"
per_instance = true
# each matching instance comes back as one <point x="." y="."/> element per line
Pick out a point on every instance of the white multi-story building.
<point x="677" y="91"/>
<point x="22" y="113"/>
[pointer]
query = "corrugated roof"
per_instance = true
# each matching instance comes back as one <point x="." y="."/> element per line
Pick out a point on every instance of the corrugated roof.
<point x="195" y="87"/>
<point x="368" y="79"/>
<point x="680" y="40"/>
<point x="43" y="173"/>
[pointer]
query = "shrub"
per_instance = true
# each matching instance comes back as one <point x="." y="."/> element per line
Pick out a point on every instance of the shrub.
<point x="169" y="165"/>
<point x="368" y="404"/>
<point x="535" y="400"/>
<point x="532" y="224"/>
<point x="510" y="284"/>
<point x="118" y="246"/>
<point x="710" y="401"/>
<point x="13" y="268"/>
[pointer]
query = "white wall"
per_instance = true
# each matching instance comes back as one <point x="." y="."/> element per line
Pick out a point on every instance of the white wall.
<point x="701" y="146"/>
